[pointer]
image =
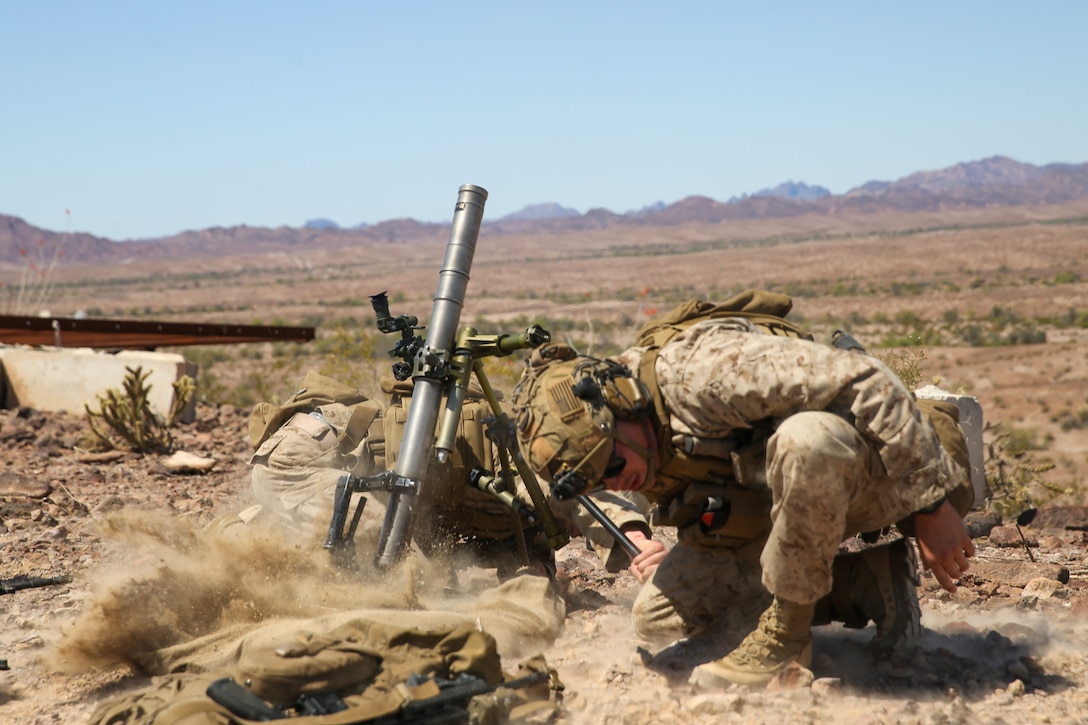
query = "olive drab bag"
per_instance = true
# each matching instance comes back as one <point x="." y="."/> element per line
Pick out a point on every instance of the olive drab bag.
<point x="680" y="463"/>
<point x="367" y="665"/>
<point x="454" y="506"/>
<point x="317" y="390"/>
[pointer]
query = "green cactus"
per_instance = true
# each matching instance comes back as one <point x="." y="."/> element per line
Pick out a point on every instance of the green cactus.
<point x="125" y="418"/>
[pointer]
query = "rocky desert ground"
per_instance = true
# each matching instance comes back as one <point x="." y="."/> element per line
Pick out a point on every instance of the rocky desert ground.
<point x="1007" y="648"/>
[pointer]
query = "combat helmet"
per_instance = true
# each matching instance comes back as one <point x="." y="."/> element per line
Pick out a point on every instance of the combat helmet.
<point x="566" y="406"/>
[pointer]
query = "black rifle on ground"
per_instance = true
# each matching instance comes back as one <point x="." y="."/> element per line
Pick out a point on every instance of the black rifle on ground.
<point x="10" y="586"/>
<point x="448" y="707"/>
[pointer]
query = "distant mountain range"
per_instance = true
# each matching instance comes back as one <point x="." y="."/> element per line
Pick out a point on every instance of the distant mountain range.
<point x="996" y="181"/>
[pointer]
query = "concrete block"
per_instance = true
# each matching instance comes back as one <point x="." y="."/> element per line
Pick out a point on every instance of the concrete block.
<point x="63" y="379"/>
<point x="972" y="426"/>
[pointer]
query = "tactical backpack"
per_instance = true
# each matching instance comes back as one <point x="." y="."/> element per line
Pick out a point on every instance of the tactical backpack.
<point x="361" y="671"/>
<point x="317" y="390"/>
<point x="455" y="507"/>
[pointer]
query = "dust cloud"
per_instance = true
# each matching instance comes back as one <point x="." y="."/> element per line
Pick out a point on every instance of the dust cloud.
<point x="174" y="594"/>
<point x="175" y="581"/>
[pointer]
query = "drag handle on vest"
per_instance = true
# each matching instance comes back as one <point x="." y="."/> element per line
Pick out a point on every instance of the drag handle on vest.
<point x="430" y="372"/>
<point x="609" y="525"/>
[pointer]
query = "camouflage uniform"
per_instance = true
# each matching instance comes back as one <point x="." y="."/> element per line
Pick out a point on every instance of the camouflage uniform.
<point x="850" y="452"/>
<point x="296" y="468"/>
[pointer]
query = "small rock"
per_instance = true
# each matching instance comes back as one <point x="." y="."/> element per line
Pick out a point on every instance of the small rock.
<point x="826" y="685"/>
<point x="109" y="503"/>
<point x="1079" y="606"/>
<point x="1061" y="517"/>
<point x="184" y="462"/>
<point x="14" y="484"/>
<point x="1051" y="543"/>
<point x="1041" y="588"/>
<point x="793" y="677"/>
<point x="958" y="627"/>
<point x="57" y="533"/>
<point x="1016" y="573"/>
<point x="714" y="703"/>
<point x="980" y="523"/>
<point x="100" y="457"/>
<point x="1009" y="536"/>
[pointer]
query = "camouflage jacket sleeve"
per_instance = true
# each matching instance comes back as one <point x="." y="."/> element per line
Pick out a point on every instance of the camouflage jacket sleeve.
<point x="724" y="375"/>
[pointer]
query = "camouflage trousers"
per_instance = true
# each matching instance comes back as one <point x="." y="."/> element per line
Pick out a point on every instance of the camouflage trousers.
<point x="826" y="484"/>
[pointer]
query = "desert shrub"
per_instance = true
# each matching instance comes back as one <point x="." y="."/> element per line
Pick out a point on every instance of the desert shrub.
<point x="1072" y="318"/>
<point x="1001" y="317"/>
<point x="1015" y="480"/>
<point x="1075" y="421"/>
<point x="250" y="352"/>
<point x="206" y="357"/>
<point x="973" y="335"/>
<point x="906" y="362"/>
<point x="856" y="319"/>
<point x="907" y="318"/>
<point x="1026" y="334"/>
<point x="926" y="336"/>
<point x="125" y="418"/>
<point x="37" y="278"/>
<point x="1018" y="441"/>
<point x="907" y="289"/>
<point x="1020" y="333"/>
<point x="354" y="356"/>
<point x="842" y="289"/>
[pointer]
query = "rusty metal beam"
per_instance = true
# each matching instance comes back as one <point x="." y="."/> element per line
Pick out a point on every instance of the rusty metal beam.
<point x="135" y="335"/>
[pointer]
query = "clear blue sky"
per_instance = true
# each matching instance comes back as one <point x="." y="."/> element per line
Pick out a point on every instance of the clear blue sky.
<point x="150" y="117"/>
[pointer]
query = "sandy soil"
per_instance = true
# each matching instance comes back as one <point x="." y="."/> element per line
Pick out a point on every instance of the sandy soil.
<point x="1008" y="647"/>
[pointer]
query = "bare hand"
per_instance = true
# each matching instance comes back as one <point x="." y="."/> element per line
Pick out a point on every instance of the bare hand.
<point x="643" y="565"/>
<point x="944" y="543"/>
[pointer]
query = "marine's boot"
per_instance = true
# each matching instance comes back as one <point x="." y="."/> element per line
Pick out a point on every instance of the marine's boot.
<point x="876" y="582"/>
<point x="784" y="635"/>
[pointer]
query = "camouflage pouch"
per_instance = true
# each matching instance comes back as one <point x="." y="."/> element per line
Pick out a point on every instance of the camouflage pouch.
<point x="314" y="663"/>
